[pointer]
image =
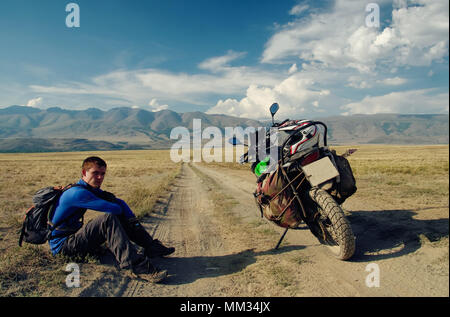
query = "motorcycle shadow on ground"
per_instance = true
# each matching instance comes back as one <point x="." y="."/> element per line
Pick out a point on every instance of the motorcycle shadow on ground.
<point x="184" y="270"/>
<point x="384" y="234"/>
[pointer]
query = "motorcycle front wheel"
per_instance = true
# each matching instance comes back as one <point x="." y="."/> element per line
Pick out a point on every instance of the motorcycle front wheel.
<point x="331" y="226"/>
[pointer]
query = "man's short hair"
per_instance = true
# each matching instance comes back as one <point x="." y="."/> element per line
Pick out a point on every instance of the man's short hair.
<point x="91" y="161"/>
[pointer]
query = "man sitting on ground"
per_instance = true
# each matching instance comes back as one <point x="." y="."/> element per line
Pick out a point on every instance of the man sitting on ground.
<point x="117" y="226"/>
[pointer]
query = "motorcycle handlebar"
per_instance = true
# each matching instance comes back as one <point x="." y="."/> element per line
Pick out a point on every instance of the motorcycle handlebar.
<point x="280" y="124"/>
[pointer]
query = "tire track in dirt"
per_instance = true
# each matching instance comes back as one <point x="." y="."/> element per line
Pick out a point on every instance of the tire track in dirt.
<point x="202" y="255"/>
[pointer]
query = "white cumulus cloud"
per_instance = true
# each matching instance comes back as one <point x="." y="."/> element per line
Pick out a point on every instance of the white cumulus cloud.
<point x="156" y="106"/>
<point x="297" y="96"/>
<point x="220" y="63"/>
<point x="136" y="87"/>
<point x="414" y="101"/>
<point x="394" y="81"/>
<point x="35" y="102"/>
<point x="339" y="38"/>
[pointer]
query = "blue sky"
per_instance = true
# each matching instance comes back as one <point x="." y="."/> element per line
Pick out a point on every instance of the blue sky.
<point x="315" y="58"/>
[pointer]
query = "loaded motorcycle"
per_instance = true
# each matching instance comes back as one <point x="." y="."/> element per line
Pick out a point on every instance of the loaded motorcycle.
<point x="305" y="183"/>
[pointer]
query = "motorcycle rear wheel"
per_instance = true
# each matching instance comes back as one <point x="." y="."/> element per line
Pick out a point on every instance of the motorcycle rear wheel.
<point x="331" y="222"/>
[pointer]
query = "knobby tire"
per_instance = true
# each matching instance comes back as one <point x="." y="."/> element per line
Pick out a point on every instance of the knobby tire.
<point x="340" y="238"/>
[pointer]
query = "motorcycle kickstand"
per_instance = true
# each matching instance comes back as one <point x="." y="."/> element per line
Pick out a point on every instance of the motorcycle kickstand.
<point x="281" y="239"/>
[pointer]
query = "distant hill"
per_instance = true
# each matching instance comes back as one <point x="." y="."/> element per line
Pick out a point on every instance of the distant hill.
<point x="28" y="129"/>
<point x="389" y="129"/>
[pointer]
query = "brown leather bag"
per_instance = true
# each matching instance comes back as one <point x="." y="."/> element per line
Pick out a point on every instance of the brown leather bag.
<point x="277" y="201"/>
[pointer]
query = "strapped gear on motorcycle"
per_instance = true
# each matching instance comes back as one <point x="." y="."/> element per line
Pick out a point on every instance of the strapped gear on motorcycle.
<point x="287" y="196"/>
<point x="298" y="137"/>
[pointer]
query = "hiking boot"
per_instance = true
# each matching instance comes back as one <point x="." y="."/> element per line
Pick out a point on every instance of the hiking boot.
<point x="158" y="249"/>
<point x="146" y="271"/>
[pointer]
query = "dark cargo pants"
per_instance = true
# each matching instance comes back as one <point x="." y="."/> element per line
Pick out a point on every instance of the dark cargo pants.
<point x="105" y="228"/>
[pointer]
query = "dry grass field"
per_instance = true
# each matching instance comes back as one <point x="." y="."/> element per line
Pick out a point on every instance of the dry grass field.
<point x="389" y="179"/>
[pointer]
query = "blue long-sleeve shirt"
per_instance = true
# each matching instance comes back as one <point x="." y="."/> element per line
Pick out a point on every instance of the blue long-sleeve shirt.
<point x="72" y="205"/>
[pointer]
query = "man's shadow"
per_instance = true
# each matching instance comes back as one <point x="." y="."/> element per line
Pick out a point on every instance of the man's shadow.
<point x="184" y="270"/>
<point x="392" y="233"/>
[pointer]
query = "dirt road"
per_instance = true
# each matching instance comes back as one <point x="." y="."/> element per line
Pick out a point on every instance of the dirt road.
<point x="224" y="248"/>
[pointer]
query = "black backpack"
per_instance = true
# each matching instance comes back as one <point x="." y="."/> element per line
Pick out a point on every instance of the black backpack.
<point x="37" y="226"/>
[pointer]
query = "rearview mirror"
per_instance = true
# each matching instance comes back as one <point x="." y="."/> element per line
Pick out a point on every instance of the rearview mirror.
<point x="274" y="108"/>
<point x="234" y="141"/>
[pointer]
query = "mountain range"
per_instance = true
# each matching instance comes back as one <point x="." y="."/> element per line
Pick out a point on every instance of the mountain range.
<point x="29" y="129"/>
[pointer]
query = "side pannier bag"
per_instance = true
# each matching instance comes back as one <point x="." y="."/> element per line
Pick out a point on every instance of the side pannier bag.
<point x="347" y="183"/>
<point x="277" y="201"/>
